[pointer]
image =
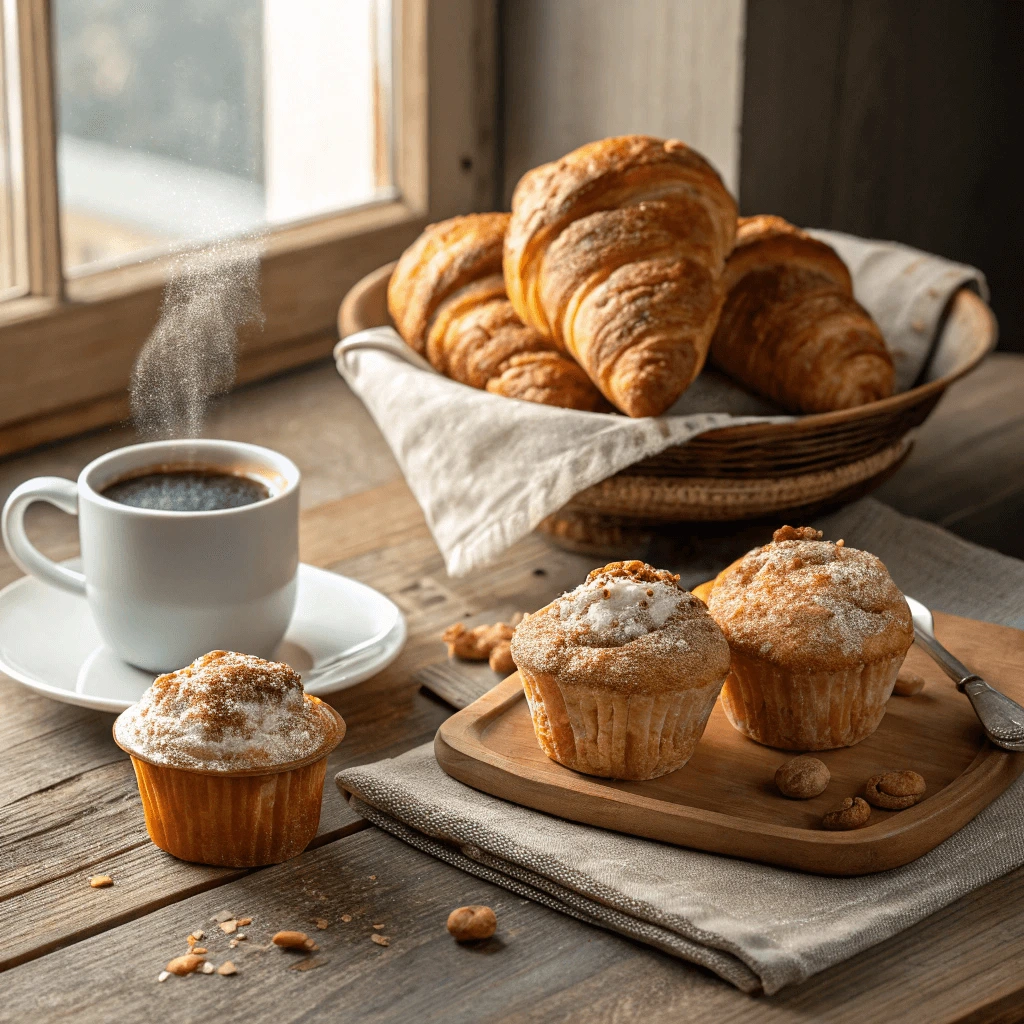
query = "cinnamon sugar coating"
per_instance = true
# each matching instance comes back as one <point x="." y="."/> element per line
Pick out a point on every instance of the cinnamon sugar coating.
<point x="226" y="711"/>
<point x="805" y="604"/>
<point x="628" y="628"/>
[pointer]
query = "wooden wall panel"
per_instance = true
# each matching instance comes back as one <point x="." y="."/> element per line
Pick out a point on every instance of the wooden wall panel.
<point x="579" y="70"/>
<point x="893" y="120"/>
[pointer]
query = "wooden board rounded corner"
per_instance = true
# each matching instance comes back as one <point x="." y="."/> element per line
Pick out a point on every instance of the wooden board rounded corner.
<point x="490" y="746"/>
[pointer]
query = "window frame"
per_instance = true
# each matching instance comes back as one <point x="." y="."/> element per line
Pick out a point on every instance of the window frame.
<point x="67" y="347"/>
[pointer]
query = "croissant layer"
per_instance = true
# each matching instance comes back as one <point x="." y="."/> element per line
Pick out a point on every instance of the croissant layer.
<point x="791" y="329"/>
<point x="447" y="298"/>
<point x="616" y="253"/>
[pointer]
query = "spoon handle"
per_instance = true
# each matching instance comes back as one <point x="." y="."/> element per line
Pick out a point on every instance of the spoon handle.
<point x="1000" y="717"/>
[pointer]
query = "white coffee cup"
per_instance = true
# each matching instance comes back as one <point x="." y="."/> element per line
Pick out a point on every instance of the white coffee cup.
<point x="166" y="587"/>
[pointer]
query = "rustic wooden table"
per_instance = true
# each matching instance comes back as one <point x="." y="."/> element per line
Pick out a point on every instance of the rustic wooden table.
<point x="69" y="807"/>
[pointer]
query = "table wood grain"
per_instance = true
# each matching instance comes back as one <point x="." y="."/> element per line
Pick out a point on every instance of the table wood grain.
<point x="69" y="807"/>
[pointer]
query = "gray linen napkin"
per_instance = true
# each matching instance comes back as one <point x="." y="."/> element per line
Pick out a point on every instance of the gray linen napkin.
<point x="754" y="925"/>
<point x="486" y="470"/>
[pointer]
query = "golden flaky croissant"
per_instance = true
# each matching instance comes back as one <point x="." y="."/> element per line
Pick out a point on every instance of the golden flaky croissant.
<point x="616" y="253"/>
<point x="791" y="328"/>
<point x="447" y="298"/>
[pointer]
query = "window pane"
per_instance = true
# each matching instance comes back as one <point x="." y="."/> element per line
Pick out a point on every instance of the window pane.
<point x="199" y="119"/>
<point x="13" y="270"/>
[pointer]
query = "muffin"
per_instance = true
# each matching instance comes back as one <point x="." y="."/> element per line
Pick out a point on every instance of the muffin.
<point x="818" y="632"/>
<point x="230" y="756"/>
<point x="621" y="674"/>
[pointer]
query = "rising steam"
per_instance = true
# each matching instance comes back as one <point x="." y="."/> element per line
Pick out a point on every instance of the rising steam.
<point x="193" y="350"/>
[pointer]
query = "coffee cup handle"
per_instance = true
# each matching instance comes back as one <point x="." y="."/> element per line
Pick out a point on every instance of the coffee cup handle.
<point x="57" y="491"/>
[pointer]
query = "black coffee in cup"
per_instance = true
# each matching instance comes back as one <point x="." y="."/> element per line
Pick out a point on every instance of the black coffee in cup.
<point x="186" y="490"/>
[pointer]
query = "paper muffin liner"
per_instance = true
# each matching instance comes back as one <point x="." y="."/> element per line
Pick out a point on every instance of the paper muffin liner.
<point x="807" y="710"/>
<point x="238" y="819"/>
<point x="617" y="735"/>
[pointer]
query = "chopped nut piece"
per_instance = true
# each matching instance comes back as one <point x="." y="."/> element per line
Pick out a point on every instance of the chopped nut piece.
<point x="500" y="658"/>
<point x="294" y="940"/>
<point x="800" y="778"/>
<point x="197" y="950"/>
<point x="227" y="968"/>
<point x="239" y="937"/>
<point x="381" y="940"/>
<point x="475" y="644"/>
<point x="229" y="927"/>
<point x="894" y="791"/>
<point x="467" y="924"/>
<point x="243" y="921"/>
<point x="232" y="943"/>
<point x="321" y="922"/>
<point x="908" y="684"/>
<point x="207" y="968"/>
<point x="198" y="934"/>
<point x="223" y="915"/>
<point x="346" y="918"/>
<point x="373" y="878"/>
<point x="851" y="813"/>
<point x="378" y="926"/>
<point x="101" y="881"/>
<point x="163" y="975"/>
<point x="182" y="965"/>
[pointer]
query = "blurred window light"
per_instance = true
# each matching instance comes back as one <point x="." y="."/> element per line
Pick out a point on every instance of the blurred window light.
<point x="13" y="242"/>
<point x="181" y="123"/>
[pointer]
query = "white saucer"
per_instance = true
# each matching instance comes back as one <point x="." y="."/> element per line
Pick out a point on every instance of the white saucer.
<point x="49" y="642"/>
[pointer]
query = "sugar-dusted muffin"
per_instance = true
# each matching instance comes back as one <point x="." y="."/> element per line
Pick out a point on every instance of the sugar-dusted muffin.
<point x="818" y="632"/>
<point x="230" y="756"/>
<point x="622" y="673"/>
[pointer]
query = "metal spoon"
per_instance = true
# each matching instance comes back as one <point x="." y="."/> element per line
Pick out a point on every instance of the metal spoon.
<point x="342" y="659"/>
<point x="1001" y="718"/>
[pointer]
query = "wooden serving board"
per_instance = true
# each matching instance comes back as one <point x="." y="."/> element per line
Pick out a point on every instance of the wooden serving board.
<point x="725" y="800"/>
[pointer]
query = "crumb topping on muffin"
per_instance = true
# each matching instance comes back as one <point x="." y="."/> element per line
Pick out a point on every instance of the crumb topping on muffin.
<point x="628" y="627"/>
<point x="225" y="711"/>
<point x="807" y="604"/>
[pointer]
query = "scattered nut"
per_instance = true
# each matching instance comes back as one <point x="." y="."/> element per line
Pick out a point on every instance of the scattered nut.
<point x="243" y="921"/>
<point x="232" y="943"/>
<point x="227" y="968"/>
<point x="239" y="937"/>
<point x="346" y="918"/>
<point x="294" y="940"/>
<point x="381" y="940"/>
<point x="908" y="683"/>
<point x="229" y="927"/>
<point x="321" y="922"/>
<point x="373" y="878"/>
<point x="378" y="926"/>
<point x="182" y="965"/>
<point x="163" y="975"/>
<point x="800" y="778"/>
<point x="851" y="813"/>
<point x="207" y="968"/>
<point x="197" y="950"/>
<point x="223" y="915"/>
<point x="475" y="644"/>
<point x="501" y="658"/>
<point x="468" y="924"/>
<point x="894" y="791"/>
<point x="101" y="881"/>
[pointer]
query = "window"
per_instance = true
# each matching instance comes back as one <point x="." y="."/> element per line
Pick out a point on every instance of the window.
<point x="131" y="129"/>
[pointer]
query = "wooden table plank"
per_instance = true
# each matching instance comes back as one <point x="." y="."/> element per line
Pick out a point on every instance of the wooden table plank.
<point x="542" y="966"/>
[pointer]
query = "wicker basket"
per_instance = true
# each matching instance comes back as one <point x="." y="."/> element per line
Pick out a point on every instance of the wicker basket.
<point x="752" y="471"/>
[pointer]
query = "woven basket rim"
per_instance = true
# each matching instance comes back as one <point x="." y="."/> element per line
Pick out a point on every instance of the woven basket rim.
<point x="352" y="317"/>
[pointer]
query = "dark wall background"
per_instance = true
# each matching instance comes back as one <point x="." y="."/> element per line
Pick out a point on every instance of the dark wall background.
<point x="893" y="119"/>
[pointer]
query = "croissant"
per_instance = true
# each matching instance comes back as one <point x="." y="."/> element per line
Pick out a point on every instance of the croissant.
<point x="447" y="298"/>
<point x="791" y="328"/>
<point x="615" y="253"/>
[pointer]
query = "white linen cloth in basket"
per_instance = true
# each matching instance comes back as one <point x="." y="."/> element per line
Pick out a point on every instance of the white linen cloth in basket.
<point x="486" y="469"/>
